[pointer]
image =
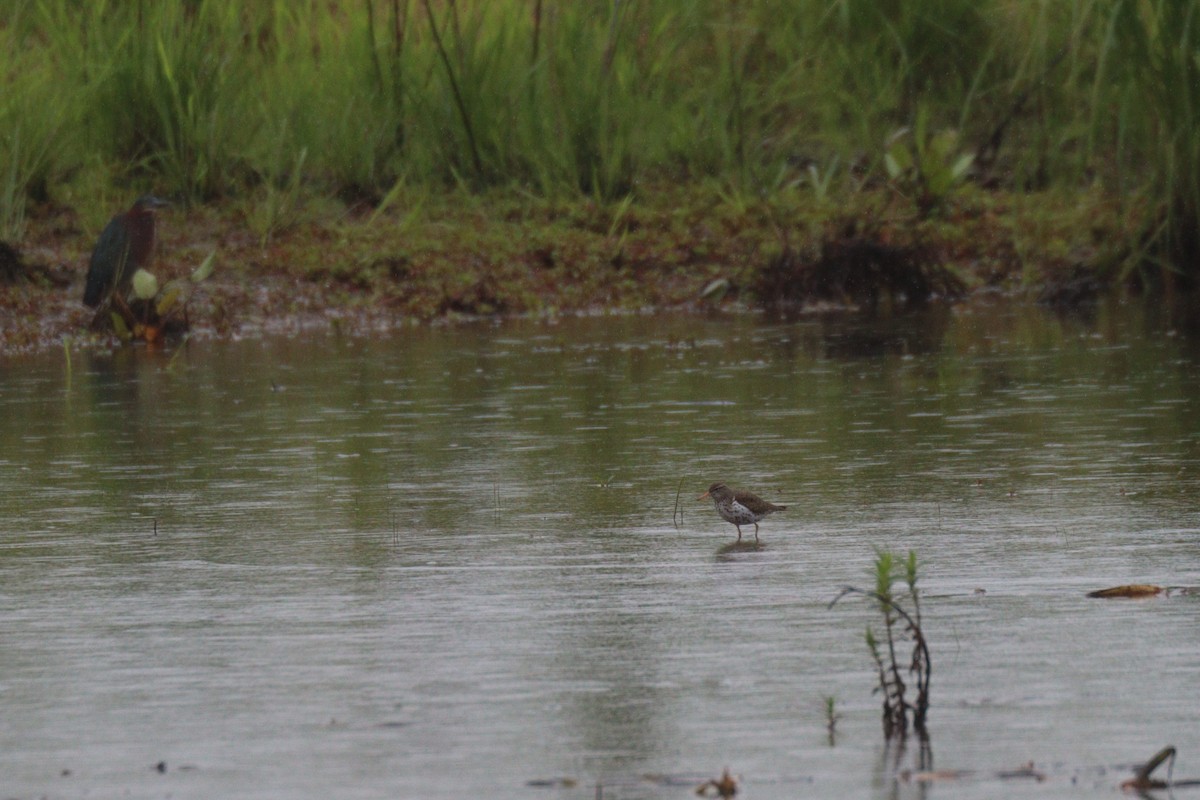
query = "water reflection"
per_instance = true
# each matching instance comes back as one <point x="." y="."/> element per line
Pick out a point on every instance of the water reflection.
<point x="454" y="558"/>
<point x="744" y="546"/>
<point x="922" y="332"/>
<point x="905" y="768"/>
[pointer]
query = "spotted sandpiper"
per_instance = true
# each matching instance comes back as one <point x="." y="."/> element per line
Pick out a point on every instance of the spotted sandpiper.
<point x="740" y="508"/>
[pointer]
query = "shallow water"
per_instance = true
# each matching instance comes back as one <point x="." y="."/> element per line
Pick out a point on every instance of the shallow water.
<point x="448" y="564"/>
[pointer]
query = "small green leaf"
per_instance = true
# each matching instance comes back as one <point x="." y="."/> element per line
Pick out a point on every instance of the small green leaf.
<point x="962" y="165"/>
<point x="943" y="145"/>
<point x="145" y="285"/>
<point x="206" y="268"/>
<point x="120" y="327"/>
<point x="170" y="298"/>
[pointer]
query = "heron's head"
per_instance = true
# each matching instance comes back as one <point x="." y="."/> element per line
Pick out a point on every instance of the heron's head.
<point x="149" y="202"/>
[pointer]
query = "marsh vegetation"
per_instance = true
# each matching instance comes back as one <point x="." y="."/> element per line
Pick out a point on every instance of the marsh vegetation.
<point x="456" y="154"/>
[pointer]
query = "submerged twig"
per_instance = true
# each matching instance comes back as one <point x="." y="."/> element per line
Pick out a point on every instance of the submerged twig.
<point x="1141" y="778"/>
<point x="724" y="787"/>
<point x="677" y="514"/>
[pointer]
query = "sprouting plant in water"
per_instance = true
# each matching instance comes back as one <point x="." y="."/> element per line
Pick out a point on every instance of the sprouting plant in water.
<point x="831" y="718"/>
<point x="895" y="594"/>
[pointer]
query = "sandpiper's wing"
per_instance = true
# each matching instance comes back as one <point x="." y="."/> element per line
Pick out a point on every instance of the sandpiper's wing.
<point x="756" y="504"/>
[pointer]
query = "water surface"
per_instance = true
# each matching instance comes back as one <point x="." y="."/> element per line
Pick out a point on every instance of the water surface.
<point x="448" y="563"/>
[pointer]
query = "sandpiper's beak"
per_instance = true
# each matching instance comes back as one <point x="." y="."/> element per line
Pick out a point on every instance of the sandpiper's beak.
<point x="701" y="497"/>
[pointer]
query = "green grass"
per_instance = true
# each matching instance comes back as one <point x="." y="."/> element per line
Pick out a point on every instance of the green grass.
<point x="271" y="102"/>
<point x="161" y="89"/>
<point x="1154" y="64"/>
<point x="39" y="120"/>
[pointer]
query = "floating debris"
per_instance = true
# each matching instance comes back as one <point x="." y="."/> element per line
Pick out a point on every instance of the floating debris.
<point x="1024" y="771"/>
<point x="934" y="776"/>
<point x="725" y="787"/>
<point x="1129" y="590"/>
<point x="552" y="783"/>
<point x="1141" y="779"/>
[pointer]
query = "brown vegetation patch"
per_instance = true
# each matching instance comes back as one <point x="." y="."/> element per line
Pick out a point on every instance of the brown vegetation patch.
<point x="1078" y="286"/>
<point x="14" y="269"/>
<point x="857" y="270"/>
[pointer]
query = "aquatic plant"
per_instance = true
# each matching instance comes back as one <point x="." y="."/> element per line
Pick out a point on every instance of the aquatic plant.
<point x="900" y="625"/>
<point x="152" y="312"/>
<point x="831" y="718"/>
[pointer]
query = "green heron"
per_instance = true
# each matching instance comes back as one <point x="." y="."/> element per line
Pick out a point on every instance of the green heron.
<point x="125" y="246"/>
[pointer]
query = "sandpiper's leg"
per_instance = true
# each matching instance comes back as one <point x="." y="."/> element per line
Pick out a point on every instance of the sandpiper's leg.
<point x="739" y="527"/>
<point x="756" y="533"/>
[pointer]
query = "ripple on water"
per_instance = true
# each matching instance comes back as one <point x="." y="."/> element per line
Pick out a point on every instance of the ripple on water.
<point x="468" y="558"/>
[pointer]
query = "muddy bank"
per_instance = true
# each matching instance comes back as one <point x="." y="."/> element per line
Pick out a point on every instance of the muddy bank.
<point x="452" y="256"/>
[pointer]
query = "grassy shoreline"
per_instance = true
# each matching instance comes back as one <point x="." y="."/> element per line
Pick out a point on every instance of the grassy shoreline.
<point x="434" y="157"/>
<point x="502" y="252"/>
